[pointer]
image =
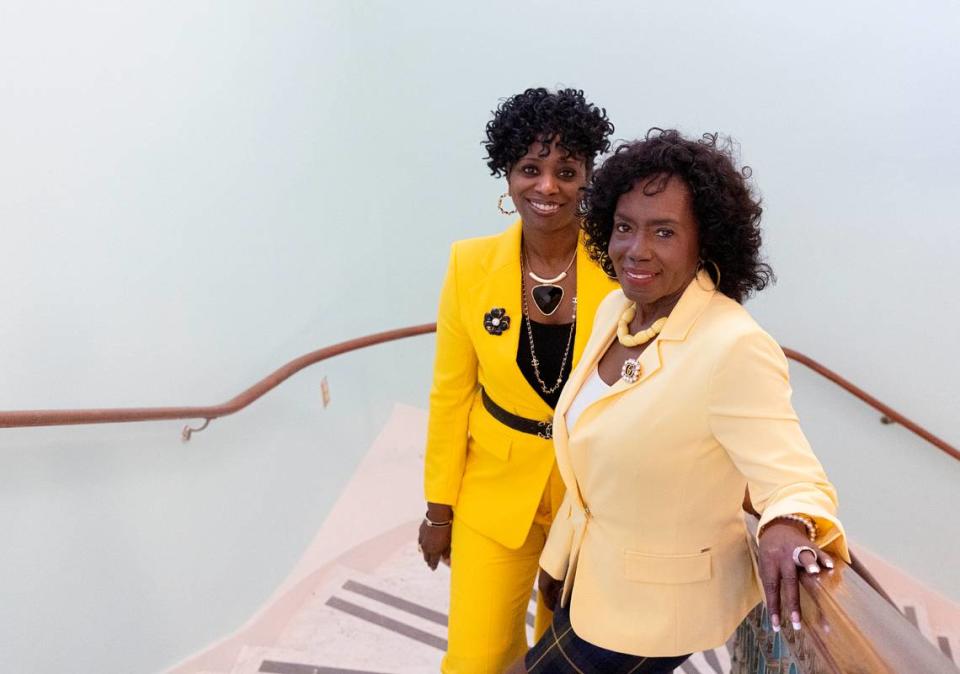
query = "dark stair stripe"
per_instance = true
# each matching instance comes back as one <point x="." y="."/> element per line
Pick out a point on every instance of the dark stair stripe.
<point x="689" y="667"/>
<point x="944" y="644"/>
<point x="387" y="623"/>
<point x="911" y="615"/>
<point x="396" y="602"/>
<point x="418" y="610"/>
<point x="713" y="661"/>
<point x="274" y="667"/>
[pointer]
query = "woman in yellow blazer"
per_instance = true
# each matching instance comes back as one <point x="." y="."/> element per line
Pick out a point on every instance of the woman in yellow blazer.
<point x="515" y="312"/>
<point x="679" y="401"/>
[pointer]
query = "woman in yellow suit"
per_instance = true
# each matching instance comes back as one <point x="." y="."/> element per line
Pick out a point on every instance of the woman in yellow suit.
<point x="679" y="402"/>
<point x="515" y="311"/>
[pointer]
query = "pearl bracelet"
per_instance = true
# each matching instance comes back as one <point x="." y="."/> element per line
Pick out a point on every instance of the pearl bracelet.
<point x="807" y="522"/>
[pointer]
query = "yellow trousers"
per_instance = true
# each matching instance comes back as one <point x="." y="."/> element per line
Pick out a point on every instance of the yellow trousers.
<point x="490" y="589"/>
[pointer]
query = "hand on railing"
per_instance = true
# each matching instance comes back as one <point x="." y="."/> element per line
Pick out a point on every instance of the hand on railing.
<point x="785" y="553"/>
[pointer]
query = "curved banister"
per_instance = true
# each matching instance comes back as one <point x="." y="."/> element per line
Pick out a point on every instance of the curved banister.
<point x="889" y="414"/>
<point x="27" y="418"/>
<point x="848" y="628"/>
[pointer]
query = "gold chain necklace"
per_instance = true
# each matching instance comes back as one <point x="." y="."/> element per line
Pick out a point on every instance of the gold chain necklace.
<point x="533" y="354"/>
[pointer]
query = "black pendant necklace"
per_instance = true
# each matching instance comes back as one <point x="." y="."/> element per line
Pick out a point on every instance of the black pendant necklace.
<point x="547" y="295"/>
<point x="534" y="361"/>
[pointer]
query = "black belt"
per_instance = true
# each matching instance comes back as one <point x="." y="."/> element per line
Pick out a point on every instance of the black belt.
<point x="542" y="429"/>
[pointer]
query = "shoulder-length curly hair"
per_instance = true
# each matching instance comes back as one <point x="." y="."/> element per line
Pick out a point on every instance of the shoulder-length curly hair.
<point x="726" y="211"/>
<point x="580" y="127"/>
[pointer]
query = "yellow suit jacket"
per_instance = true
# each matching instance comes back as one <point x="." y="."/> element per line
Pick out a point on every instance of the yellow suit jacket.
<point x="650" y="537"/>
<point x="493" y="475"/>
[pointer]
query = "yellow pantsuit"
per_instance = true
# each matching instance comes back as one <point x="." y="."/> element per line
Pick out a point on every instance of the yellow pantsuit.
<point x="496" y="479"/>
<point x="489" y="594"/>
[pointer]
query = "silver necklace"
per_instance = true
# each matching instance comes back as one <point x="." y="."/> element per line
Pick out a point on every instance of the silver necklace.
<point x="559" y="277"/>
<point x="533" y="354"/>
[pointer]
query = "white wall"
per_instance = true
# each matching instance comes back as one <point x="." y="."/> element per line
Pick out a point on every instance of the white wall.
<point x="192" y="193"/>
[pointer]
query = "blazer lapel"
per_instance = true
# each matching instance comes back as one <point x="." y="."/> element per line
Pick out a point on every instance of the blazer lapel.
<point x="603" y="332"/>
<point x="691" y="304"/>
<point x="694" y="300"/>
<point x="499" y="288"/>
<point x="593" y="285"/>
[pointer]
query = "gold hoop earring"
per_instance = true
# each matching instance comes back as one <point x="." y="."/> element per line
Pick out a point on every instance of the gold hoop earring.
<point x="500" y="204"/>
<point x="700" y="266"/>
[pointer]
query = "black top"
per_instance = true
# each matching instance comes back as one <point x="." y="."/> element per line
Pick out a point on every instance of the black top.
<point x="549" y="342"/>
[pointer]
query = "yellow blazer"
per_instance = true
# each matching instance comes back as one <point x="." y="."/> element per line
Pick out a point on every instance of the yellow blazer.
<point x="492" y="475"/>
<point x="650" y="537"/>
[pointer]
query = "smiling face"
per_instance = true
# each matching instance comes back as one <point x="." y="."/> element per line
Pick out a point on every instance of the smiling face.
<point x="654" y="245"/>
<point x="546" y="189"/>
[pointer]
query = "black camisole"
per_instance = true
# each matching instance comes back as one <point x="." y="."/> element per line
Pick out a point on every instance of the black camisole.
<point x="549" y="342"/>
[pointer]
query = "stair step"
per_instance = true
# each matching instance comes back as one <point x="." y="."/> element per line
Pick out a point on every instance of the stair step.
<point x="349" y="660"/>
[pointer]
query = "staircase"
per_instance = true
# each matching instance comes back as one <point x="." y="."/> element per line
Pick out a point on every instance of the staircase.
<point x="370" y="606"/>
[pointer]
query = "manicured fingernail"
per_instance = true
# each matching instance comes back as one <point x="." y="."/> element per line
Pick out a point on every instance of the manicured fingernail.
<point x="828" y="563"/>
<point x="775" y="622"/>
<point x="795" y="620"/>
<point x="813" y="568"/>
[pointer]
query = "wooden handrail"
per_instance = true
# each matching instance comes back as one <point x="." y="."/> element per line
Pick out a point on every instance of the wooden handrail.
<point x="847" y="629"/>
<point x="28" y="418"/>
<point x="889" y="414"/>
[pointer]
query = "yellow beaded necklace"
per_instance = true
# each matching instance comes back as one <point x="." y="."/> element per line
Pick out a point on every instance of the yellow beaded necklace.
<point x="642" y="337"/>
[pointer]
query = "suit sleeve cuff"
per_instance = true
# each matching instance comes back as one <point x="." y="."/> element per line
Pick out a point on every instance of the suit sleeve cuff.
<point x="830" y="534"/>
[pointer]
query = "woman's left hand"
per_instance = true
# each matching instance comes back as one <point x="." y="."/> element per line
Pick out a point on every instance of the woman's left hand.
<point x="779" y="571"/>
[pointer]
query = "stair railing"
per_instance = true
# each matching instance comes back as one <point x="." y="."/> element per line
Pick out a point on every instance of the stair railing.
<point x="30" y="418"/>
<point x="850" y="626"/>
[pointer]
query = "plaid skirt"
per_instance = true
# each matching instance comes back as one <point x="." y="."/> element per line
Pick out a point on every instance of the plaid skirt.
<point x="561" y="651"/>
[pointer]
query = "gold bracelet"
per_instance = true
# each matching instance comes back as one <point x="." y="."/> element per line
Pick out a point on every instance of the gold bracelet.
<point x="807" y="522"/>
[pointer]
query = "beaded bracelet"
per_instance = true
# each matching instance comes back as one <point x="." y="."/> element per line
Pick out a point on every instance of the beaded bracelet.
<point x="807" y="522"/>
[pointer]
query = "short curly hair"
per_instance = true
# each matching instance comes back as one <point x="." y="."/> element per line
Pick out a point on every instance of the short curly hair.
<point x="580" y="127"/>
<point x="726" y="210"/>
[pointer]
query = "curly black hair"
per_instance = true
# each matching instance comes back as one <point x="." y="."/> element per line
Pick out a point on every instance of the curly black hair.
<point x="580" y="127"/>
<point x="727" y="212"/>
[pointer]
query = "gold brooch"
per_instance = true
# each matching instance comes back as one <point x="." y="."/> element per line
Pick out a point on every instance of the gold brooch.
<point x="631" y="370"/>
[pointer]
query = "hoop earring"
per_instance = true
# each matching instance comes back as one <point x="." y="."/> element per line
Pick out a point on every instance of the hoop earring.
<point x="500" y="204"/>
<point x="700" y="266"/>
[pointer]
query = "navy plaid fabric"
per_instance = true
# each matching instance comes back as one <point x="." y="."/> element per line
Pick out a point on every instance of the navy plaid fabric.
<point x="561" y="651"/>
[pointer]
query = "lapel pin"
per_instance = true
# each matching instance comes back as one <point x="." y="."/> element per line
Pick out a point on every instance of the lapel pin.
<point x="631" y="370"/>
<point x="496" y="321"/>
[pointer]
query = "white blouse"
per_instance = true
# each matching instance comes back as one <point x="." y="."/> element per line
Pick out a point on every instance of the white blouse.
<point x="591" y="391"/>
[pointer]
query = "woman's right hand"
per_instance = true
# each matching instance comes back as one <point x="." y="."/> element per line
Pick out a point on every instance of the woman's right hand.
<point x="434" y="542"/>
<point x="549" y="588"/>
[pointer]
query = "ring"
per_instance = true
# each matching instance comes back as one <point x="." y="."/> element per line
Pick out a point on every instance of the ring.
<point x="796" y="554"/>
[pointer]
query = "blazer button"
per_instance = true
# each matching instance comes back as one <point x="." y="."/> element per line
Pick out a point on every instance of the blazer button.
<point x="586" y="511"/>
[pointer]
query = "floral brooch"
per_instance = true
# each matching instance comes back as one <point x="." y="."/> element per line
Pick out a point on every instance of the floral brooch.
<point x="496" y="321"/>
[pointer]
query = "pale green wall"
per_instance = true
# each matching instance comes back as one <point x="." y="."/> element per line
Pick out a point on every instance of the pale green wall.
<point x="193" y="193"/>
